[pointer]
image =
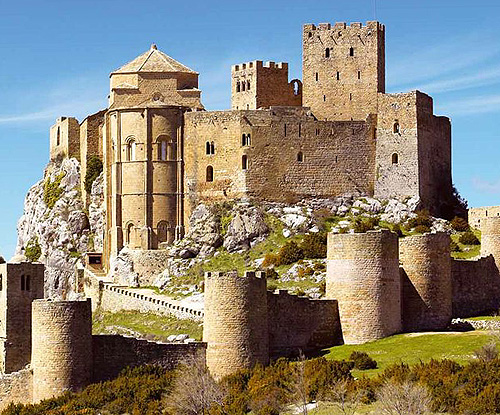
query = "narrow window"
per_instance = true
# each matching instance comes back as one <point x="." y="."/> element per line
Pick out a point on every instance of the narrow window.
<point x="248" y="85"/>
<point x="162" y="150"/>
<point x="317" y="131"/>
<point x="327" y="52"/>
<point x="359" y="74"/>
<point x="28" y="283"/>
<point x="300" y="157"/>
<point x="58" y="136"/>
<point x="212" y="148"/>
<point x="244" y="162"/>
<point x="285" y="130"/>
<point x="1" y="282"/>
<point x="131" y="150"/>
<point x="238" y="86"/>
<point x="248" y="106"/>
<point x="336" y="159"/>
<point x="300" y="129"/>
<point x="395" y="158"/>
<point x="207" y="147"/>
<point x="243" y="140"/>
<point x="22" y="283"/>
<point x="350" y="97"/>
<point x="249" y="141"/>
<point x="317" y="77"/>
<point x="396" y="128"/>
<point x="171" y="150"/>
<point x="243" y="84"/>
<point x="338" y="75"/>
<point x="210" y="174"/>
<point x="324" y="98"/>
<point x="310" y="34"/>
<point x="130" y="229"/>
<point x="351" y="51"/>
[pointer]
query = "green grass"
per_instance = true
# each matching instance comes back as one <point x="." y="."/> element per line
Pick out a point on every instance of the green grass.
<point x="148" y="325"/>
<point x="413" y="348"/>
<point x="467" y="251"/>
<point x="486" y="318"/>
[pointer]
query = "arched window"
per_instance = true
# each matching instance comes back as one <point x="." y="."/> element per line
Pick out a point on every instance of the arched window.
<point x="238" y="86"/>
<point x="58" y="136"/>
<point x="244" y="162"/>
<point x="131" y="146"/>
<point x="248" y="85"/>
<point x="351" y="51"/>
<point x="297" y="87"/>
<point x="162" y="231"/>
<point x="210" y="174"/>
<point x="243" y="84"/>
<point x="207" y="147"/>
<point x="395" y="158"/>
<point x="300" y="157"/>
<point x="396" y="127"/>
<point x="22" y="283"/>
<point x="212" y="148"/>
<point x="327" y="52"/>
<point x="130" y="233"/>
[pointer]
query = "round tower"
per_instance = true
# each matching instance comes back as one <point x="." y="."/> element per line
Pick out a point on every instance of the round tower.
<point x="426" y="281"/>
<point x="363" y="276"/>
<point x="490" y="237"/>
<point x="235" y="324"/>
<point x="62" y="347"/>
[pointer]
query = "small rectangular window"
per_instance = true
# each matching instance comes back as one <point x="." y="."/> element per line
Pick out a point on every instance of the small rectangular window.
<point x="338" y="75"/>
<point x="317" y="77"/>
<point x="359" y="74"/>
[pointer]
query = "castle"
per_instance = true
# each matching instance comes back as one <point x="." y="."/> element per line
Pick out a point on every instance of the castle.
<point x="334" y="132"/>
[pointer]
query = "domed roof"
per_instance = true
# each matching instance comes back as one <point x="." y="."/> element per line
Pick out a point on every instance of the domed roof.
<point x="153" y="61"/>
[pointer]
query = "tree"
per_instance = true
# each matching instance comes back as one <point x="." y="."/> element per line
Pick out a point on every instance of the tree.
<point x="345" y="401"/>
<point x="300" y="386"/>
<point x="405" y="398"/>
<point x="195" y="391"/>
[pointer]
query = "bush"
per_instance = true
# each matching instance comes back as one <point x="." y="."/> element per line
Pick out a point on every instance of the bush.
<point x="454" y="247"/>
<point x="459" y="224"/>
<point x="289" y="253"/>
<point x="423" y="218"/>
<point x="421" y="229"/>
<point x="52" y="191"/>
<point x="396" y="228"/>
<point x="364" y="224"/>
<point x="488" y="352"/>
<point x="33" y="251"/>
<point x="94" y="169"/>
<point x="314" y="245"/>
<point x="270" y="260"/>
<point x="362" y="361"/>
<point x="468" y="238"/>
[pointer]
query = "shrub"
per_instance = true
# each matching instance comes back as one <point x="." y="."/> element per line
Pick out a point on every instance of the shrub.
<point x="314" y="245"/>
<point x="396" y="228"/>
<point x="459" y="224"/>
<point x="94" y="169"/>
<point x="362" y="361"/>
<point x="404" y="399"/>
<point x="269" y="260"/>
<point x="454" y="247"/>
<point x="225" y="221"/>
<point x="289" y="253"/>
<point x="272" y="286"/>
<point x="468" y="238"/>
<point x="421" y="229"/>
<point x="488" y="352"/>
<point x="364" y="224"/>
<point x="422" y="218"/>
<point x="52" y="191"/>
<point x="33" y="251"/>
<point x="271" y="274"/>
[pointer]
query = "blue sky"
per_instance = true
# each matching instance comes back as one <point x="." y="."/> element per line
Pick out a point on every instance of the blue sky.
<point x="56" y="57"/>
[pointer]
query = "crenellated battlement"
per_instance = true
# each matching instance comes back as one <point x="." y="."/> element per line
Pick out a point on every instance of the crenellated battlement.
<point x="256" y="65"/>
<point x="371" y="24"/>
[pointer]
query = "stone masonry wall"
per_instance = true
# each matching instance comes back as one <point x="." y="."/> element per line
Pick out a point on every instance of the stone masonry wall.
<point x="112" y="354"/>
<point x="236" y="322"/>
<point x="343" y="69"/>
<point x="62" y="352"/>
<point x="65" y="139"/>
<point x="16" y="388"/>
<point x="363" y="276"/>
<point x="476" y="215"/>
<point x="490" y="238"/>
<point x="426" y="282"/>
<point x="298" y="324"/>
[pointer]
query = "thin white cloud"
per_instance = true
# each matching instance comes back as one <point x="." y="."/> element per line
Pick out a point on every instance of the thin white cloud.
<point x="483" y="78"/>
<point x="486" y="186"/>
<point x="471" y="105"/>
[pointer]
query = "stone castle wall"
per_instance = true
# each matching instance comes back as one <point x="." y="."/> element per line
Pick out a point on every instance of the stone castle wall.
<point x="65" y="139"/>
<point x="343" y="69"/>
<point x="426" y="282"/>
<point x="62" y="352"/>
<point x="476" y="215"/>
<point x="236" y="321"/>
<point x="363" y="276"/>
<point x="20" y="284"/>
<point x="490" y="237"/>
<point x="299" y="324"/>
<point x="16" y="387"/>
<point x="112" y="354"/>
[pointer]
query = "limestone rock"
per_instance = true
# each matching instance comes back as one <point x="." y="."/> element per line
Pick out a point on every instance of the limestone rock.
<point x="122" y="269"/>
<point x="247" y="225"/>
<point x="96" y="212"/>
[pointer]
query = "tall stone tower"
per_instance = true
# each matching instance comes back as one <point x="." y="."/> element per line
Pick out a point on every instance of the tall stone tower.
<point x="490" y="238"/>
<point x="20" y="284"/>
<point x="257" y="85"/>
<point x="235" y="325"/>
<point x="62" y="352"/>
<point x="143" y="158"/>
<point x="343" y="69"/>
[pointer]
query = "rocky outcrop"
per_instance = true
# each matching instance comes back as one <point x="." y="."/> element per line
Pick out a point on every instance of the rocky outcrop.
<point x="60" y="231"/>
<point x="97" y="214"/>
